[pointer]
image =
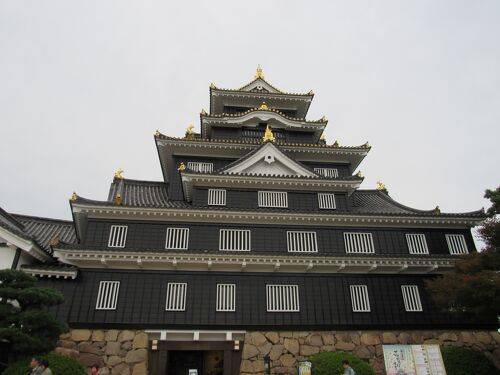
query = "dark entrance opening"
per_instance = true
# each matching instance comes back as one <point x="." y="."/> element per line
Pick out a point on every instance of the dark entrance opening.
<point x="206" y="362"/>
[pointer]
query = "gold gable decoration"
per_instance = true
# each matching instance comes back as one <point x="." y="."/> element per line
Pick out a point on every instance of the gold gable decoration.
<point x="259" y="73"/>
<point x="268" y="135"/>
<point x="189" y="132"/>
<point x="118" y="173"/>
<point x="381" y="186"/>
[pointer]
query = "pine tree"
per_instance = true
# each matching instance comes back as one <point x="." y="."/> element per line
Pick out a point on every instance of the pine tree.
<point x="472" y="290"/>
<point x="26" y="327"/>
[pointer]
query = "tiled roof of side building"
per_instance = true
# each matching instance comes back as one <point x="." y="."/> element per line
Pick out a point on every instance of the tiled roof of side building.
<point x="137" y="193"/>
<point x="44" y="230"/>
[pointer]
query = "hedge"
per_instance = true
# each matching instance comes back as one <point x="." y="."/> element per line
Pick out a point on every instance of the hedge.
<point x="59" y="364"/>
<point x="462" y="361"/>
<point x="328" y="363"/>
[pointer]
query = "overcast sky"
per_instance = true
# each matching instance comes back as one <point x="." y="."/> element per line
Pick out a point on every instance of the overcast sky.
<point x="84" y="85"/>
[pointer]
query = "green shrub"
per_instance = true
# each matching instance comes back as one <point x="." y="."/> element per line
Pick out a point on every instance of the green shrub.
<point x="328" y="363"/>
<point x="461" y="361"/>
<point x="60" y="365"/>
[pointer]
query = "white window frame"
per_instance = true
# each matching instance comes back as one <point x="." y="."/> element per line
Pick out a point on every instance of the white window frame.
<point x="216" y="197"/>
<point x="457" y="244"/>
<point x="177" y="238"/>
<point x="176" y="297"/>
<point x="230" y="238"/>
<point x="359" y="243"/>
<point x="198" y="166"/>
<point x="360" y="299"/>
<point x="277" y="199"/>
<point x="299" y="241"/>
<point x="118" y="236"/>
<point x="327" y="172"/>
<point x="411" y="298"/>
<point x="226" y="298"/>
<point x="107" y="295"/>
<point x="417" y="243"/>
<point x="282" y="298"/>
<point x="326" y="201"/>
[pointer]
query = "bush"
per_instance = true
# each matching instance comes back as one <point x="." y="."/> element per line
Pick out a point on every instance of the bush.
<point x="59" y="364"/>
<point x="328" y="363"/>
<point x="461" y="361"/>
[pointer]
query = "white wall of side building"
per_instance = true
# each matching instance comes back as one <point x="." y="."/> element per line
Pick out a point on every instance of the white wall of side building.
<point x="7" y="255"/>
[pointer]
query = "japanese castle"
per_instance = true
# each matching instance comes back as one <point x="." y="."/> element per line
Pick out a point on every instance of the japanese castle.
<point x="258" y="225"/>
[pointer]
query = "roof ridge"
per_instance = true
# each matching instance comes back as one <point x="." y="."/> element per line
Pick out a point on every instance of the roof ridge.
<point x="40" y="218"/>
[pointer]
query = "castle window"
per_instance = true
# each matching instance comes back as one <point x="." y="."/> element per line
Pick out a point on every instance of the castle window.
<point x="359" y="298"/>
<point x="301" y="242"/>
<point x="226" y="297"/>
<point x="327" y="172"/>
<point x="234" y="240"/>
<point x="197" y="166"/>
<point x="411" y="298"/>
<point x="456" y="244"/>
<point x="107" y="296"/>
<point x="326" y="201"/>
<point x="273" y="199"/>
<point x="177" y="239"/>
<point x="359" y="243"/>
<point x="216" y="197"/>
<point x="417" y="243"/>
<point x="176" y="297"/>
<point x="282" y="298"/>
<point x="117" y="236"/>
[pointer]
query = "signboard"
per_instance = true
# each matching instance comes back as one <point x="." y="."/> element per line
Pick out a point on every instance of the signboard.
<point x="193" y="372"/>
<point x="305" y="368"/>
<point x="413" y="360"/>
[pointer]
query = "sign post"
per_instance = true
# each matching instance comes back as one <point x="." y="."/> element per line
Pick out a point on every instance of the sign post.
<point x="305" y="368"/>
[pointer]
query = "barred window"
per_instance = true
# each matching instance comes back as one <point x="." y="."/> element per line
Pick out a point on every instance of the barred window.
<point x="177" y="239"/>
<point x="107" y="296"/>
<point x="226" y="297"/>
<point x="117" y="236"/>
<point x="301" y="242"/>
<point x="417" y="243"/>
<point x="282" y="298"/>
<point x="359" y="243"/>
<point x="216" y="197"/>
<point x="456" y="244"/>
<point x="359" y="298"/>
<point x="273" y="199"/>
<point x="411" y="298"/>
<point x="176" y="297"/>
<point x="327" y="172"/>
<point x="234" y="240"/>
<point x="197" y="166"/>
<point x="326" y="201"/>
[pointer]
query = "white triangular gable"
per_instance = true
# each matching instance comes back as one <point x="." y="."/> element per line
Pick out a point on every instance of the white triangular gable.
<point x="259" y="85"/>
<point x="269" y="160"/>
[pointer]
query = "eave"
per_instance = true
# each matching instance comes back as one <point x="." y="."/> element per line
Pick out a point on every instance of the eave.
<point x="191" y="180"/>
<point x="119" y="213"/>
<point x="233" y="262"/>
<point x="28" y="245"/>
<point x="51" y="273"/>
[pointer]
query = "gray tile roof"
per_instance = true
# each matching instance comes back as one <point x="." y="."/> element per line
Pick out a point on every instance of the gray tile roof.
<point x="44" y="230"/>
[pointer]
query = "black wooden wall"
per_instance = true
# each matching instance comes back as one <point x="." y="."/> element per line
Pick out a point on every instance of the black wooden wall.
<point x="324" y="302"/>
<point x="268" y="239"/>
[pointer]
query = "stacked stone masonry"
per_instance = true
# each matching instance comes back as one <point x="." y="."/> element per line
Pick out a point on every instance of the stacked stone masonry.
<point x="119" y="352"/>
<point x="286" y="348"/>
<point x="115" y="352"/>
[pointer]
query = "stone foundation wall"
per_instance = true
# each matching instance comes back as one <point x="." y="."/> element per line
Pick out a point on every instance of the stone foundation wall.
<point x="286" y="348"/>
<point x="115" y="352"/>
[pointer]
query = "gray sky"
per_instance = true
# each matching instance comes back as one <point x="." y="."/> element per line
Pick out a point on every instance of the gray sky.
<point x="84" y="84"/>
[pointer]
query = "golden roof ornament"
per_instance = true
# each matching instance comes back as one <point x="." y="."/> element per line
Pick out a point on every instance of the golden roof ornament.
<point x="268" y="135"/>
<point x="264" y="107"/>
<point x="437" y="211"/>
<point x="118" y="199"/>
<point x="203" y="112"/>
<point x="118" y="173"/>
<point x="324" y="119"/>
<point x="157" y="134"/>
<point x="259" y="73"/>
<point x="311" y="92"/>
<point x="182" y="167"/>
<point x="322" y="138"/>
<point x="381" y="185"/>
<point x="189" y="131"/>
<point x="55" y="240"/>
<point x="73" y="197"/>
<point x="366" y="145"/>
<point x="360" y="174"/>
<point x="212" y="86"/>
<point x="336" y="144"/>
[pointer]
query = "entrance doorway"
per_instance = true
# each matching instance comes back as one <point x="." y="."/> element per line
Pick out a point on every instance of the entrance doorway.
<point x="205" y="362"/>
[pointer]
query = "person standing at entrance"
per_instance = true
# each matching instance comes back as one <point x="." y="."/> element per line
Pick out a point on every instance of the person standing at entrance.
<point x="348" y="370"/>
